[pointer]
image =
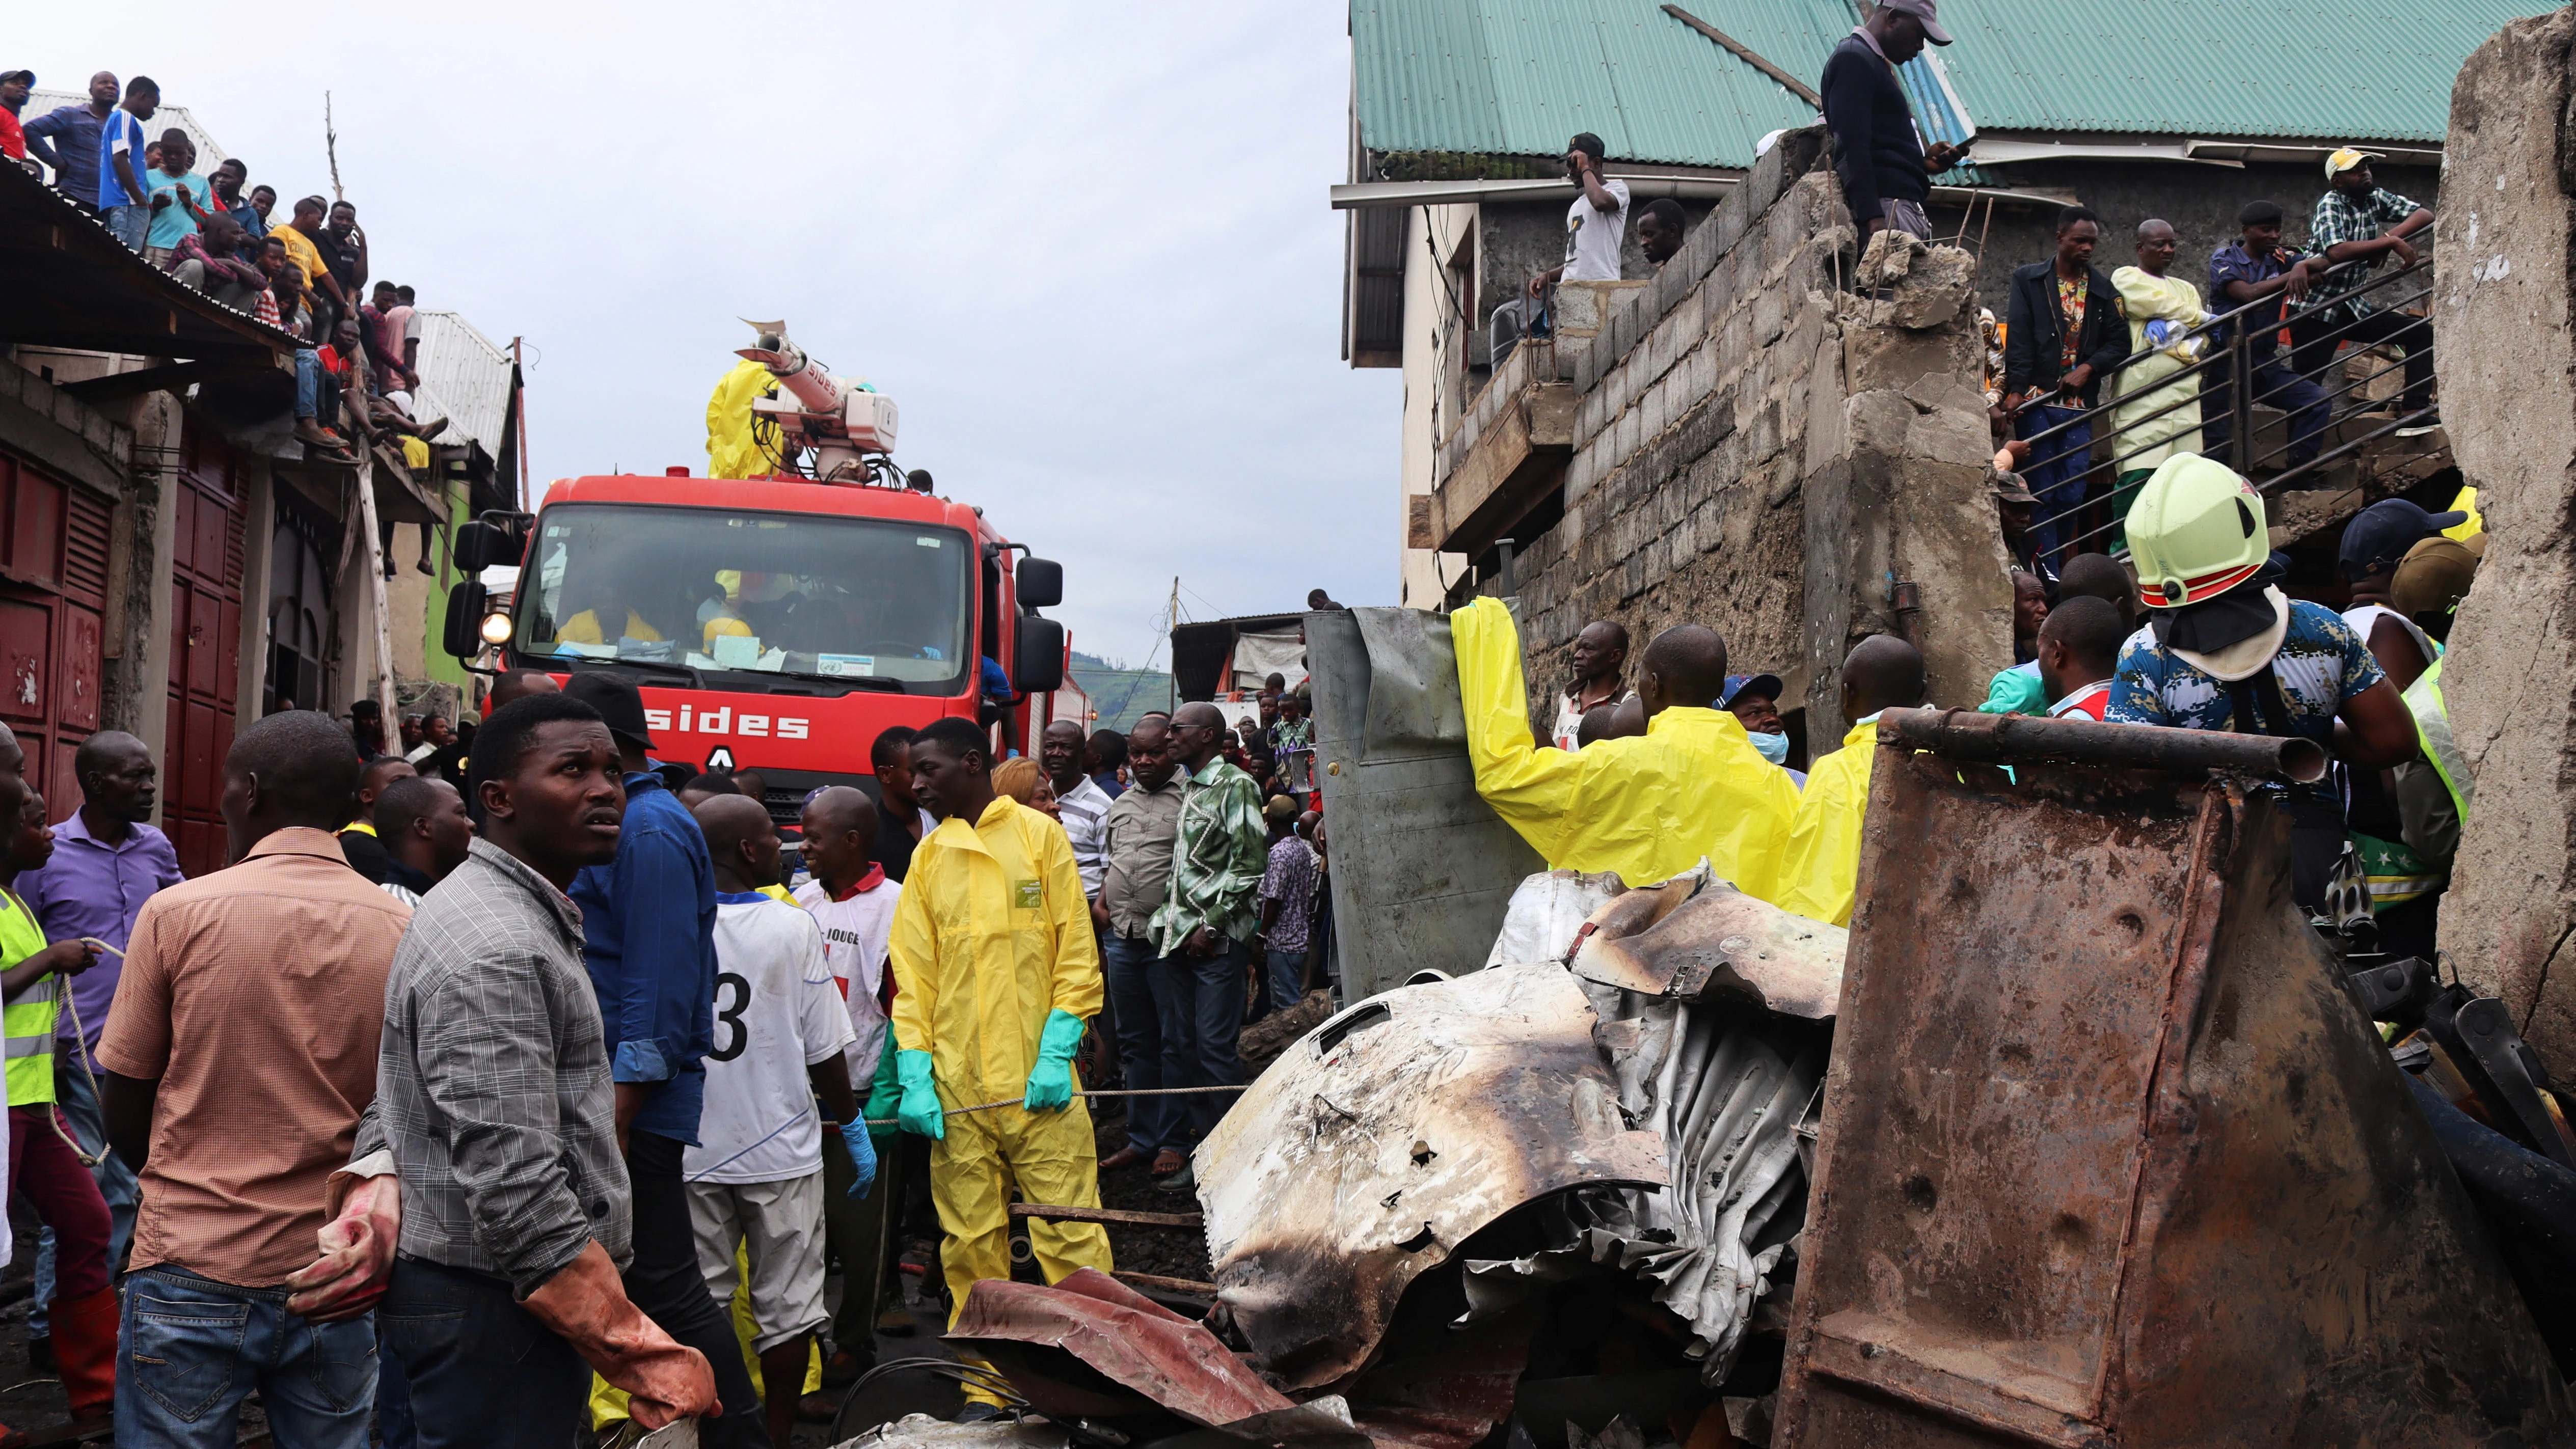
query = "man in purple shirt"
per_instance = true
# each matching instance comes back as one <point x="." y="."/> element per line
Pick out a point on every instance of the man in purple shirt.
<point x="107" y="862"/>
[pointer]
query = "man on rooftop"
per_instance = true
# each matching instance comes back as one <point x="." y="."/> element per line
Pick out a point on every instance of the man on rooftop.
<point x="1595" y="224"/>
<point x="1886" y="173"/>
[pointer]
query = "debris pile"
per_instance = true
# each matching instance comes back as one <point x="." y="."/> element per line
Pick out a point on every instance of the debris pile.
<point x="1564" y="1186"/>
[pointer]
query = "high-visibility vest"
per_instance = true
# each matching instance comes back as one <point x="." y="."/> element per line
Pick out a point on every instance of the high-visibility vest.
<point x="2433" y="730"/>
<point x="28" y="1018"/>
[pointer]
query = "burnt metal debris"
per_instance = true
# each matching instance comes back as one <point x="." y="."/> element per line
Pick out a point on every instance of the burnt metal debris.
<point x="2082" y="1136"/>
<point x="2109" y="1155"/>
<point x="1397" y="1129"/>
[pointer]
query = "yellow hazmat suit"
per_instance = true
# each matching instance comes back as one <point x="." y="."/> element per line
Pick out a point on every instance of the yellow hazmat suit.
<point x="991" y="935"/>
<point x="1648" y="807"/>
<point x="1820" y="872"/>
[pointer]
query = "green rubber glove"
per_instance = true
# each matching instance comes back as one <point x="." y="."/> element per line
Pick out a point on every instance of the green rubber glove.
<point x="920" y="1113"/>
<point x="885" y="1093"/>
<point x="1051" y="1080"/>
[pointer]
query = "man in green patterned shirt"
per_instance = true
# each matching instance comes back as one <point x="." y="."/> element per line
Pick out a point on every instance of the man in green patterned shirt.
<point x="2358" y="220"/>
<point x="1209" y="914"/>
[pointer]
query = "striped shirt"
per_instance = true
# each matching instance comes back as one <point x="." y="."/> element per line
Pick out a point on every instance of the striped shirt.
<point x="1083" y="809"/>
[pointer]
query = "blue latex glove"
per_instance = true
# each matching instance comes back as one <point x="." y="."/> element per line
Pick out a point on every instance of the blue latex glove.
<point x="863" y="1156"/>
<point x="920" y="1113"/>
<point x="1051" y="1080"/>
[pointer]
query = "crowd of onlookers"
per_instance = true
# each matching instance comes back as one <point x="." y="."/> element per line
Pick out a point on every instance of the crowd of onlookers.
<point x="2141" y="361"/>
<point x="305" y="272"/>
<point x="746" y="992"/>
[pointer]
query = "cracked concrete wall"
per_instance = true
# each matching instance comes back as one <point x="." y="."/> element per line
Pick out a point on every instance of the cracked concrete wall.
<point x="2505" y="253"/>
<point x="1759" y="449"/>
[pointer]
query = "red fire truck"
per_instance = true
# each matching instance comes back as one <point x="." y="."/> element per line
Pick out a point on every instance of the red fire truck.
<point x="779" y="623"/>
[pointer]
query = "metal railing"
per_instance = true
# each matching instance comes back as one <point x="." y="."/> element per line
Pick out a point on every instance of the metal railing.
<point x="2230" y="338"/>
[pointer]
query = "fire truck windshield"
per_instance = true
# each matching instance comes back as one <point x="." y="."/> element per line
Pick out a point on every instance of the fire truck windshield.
<point x="820" y="596"/>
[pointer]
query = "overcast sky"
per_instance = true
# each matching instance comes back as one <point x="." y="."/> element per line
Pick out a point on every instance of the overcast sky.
<point x="1086" y="249"/>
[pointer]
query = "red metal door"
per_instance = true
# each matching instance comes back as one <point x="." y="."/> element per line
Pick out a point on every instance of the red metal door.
<point x="205" y="623"/>
<point x="53" y="587"/>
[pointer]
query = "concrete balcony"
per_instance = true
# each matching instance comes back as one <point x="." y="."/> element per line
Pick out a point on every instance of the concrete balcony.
<point x="1505" y="459"/>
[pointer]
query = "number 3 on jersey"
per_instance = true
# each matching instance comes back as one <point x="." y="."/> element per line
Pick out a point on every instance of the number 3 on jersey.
<point x="729" y="1046"/>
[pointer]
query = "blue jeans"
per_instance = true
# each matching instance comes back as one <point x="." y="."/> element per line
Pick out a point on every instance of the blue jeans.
<point x="2055" y="473"/>
<point x="1135" y="1003"/>
<point x="115" y="1182"/>
<point x="1202" y="1003"/>
<point x="128" y="224"/>
<point x="481" y="1369"/>
<point x="308" y="382"/>
<point x="191" y="1349"/>
<point x="1287" y="978"/>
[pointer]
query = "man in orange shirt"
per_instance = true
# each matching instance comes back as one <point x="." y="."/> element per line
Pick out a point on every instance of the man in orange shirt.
<point x="240" y="1055"/>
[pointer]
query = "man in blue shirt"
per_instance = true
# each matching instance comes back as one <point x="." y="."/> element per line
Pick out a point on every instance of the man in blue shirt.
<point x="648" y="926"/>
<point x="124" y="197"/>
<point x="66" y="138"/>
<point x="2258" y="268"/>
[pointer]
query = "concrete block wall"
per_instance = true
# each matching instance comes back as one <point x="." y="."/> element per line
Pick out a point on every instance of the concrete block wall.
<point x="1760" y="450"/>
<point x="2504" y="322"/>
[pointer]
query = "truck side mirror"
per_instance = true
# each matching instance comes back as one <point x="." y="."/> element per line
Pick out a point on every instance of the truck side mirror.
<point x="1038" y="665"/>
<point x="1041" y="583"/>
<point x="481" y="545"/>
<point x="467" y="603"/>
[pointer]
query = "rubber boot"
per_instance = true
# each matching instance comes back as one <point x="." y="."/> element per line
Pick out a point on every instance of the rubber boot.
<point x="85" y="1343"/>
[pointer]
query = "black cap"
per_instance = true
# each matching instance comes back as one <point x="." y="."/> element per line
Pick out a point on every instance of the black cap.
<point x="618" y="703"/>
<point x="2385" y="530"/>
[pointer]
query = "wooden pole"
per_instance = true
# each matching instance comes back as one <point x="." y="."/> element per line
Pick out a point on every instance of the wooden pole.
<point x="375" y="561"/>
<point x="519" y="406"/>
<point x="331" y="148"/>
<point x="1746" y="53"/>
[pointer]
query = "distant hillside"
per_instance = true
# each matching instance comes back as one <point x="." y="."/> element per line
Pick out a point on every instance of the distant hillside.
<point x="1120" y="695"/>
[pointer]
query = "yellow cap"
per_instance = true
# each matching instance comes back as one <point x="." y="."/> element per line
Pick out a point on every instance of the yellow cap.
<point x="2347" y="158"/>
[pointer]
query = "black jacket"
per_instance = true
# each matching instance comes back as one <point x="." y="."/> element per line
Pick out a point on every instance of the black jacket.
<point x="1876" y="152"/>
<point x="2035" y="334"/>
<point x="367" y="855"/>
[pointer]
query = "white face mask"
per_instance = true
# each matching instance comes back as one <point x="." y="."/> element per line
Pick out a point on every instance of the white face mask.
<point x="1774" y="748"/>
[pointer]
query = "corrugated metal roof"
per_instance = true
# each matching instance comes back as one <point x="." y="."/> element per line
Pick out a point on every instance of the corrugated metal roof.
<point x="464" y="378"/>
<point x="1516" y="77"/>
<point x="2361" y="70"/>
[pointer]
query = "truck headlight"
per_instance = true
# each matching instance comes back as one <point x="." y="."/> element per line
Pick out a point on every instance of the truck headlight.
<point x="496" y="627"/>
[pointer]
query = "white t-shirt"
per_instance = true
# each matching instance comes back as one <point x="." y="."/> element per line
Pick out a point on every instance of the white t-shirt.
<point x="1592" y="237"/>
<point x="777" y="1013"/>
<point x="855" y="933"/>
<point x="2365" y="617"/>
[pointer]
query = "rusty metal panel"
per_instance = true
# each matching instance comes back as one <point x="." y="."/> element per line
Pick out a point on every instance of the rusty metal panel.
<point x="1377" y="1144"/>
<point x="2109" y="1157"/>
<point x="1147" y="1354"/>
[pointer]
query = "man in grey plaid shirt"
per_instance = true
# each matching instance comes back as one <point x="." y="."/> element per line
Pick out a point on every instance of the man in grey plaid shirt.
<point x="2360" y="221"/>
<point x="495" y="1111"/>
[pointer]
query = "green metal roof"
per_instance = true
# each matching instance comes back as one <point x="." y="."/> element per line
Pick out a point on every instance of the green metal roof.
<point x="1516" y="77"/>
<point x="2361" y="70"/>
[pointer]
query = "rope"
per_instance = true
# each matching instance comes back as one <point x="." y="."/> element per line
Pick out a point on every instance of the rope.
<point x="1021" y="1101"/>
<point x="80" y="1053"/>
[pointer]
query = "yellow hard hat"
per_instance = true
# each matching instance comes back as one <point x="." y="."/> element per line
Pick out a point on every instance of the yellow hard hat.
<point x="2195" y="531"/>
